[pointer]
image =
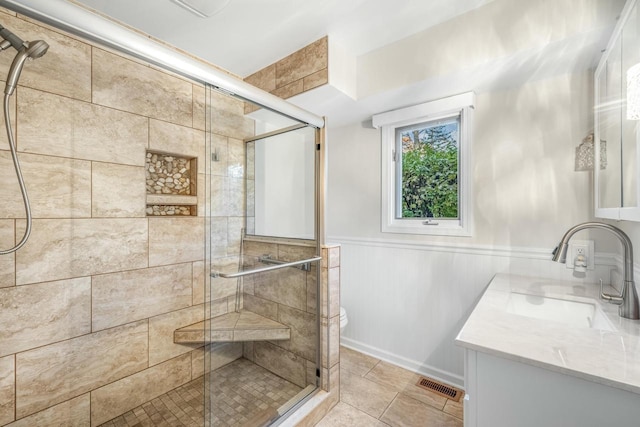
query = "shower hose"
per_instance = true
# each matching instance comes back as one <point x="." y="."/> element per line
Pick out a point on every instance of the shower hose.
<point x="16" y="165"/>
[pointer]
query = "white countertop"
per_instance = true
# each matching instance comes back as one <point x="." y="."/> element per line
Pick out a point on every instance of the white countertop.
<point x="606" y="357"/>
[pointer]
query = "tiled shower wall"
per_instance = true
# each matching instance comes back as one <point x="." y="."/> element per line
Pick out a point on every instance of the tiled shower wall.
<point x="289" y="296"/>
<point x="89" y="305"/>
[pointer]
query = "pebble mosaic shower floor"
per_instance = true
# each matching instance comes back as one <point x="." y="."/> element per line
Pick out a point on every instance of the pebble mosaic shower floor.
<point x="242" y="391"/>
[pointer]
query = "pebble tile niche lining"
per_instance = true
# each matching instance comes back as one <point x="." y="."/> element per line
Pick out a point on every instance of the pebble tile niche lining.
<point x="170" y="175"/>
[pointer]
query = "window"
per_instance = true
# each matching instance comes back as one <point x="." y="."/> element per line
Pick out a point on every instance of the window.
<point x="425" y="167"/>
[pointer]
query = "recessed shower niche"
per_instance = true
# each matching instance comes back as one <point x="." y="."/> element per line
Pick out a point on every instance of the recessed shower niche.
<point x="171" y="184"/>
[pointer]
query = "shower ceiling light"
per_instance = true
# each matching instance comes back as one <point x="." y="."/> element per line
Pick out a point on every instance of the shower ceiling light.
<point x="203" y="8"/>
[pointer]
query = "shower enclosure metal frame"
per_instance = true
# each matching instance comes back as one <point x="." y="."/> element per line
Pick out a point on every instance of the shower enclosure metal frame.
<point x="319" y="174"/>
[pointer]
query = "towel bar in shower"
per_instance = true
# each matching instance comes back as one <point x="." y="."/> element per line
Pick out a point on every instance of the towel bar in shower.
<point x="264" y="269"/>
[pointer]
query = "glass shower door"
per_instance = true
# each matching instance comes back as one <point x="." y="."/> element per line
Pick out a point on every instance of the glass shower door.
<point x="262" y="327"/>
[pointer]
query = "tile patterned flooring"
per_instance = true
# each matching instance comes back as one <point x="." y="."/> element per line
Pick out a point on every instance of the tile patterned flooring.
<point x="244" y="392"/>
<point x="374" y="393"/>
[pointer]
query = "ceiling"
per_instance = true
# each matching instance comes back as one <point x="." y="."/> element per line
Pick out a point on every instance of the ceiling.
<point x="248" y="35"/>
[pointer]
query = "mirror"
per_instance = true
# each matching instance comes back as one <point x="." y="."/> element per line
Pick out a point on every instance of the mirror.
<point x="281" y="187"/>
<point x="616" y="136"/>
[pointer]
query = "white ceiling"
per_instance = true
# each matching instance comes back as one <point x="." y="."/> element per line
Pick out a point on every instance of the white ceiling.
<point x="250" y="34"/>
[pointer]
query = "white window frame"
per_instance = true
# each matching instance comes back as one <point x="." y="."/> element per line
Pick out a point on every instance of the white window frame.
<point x="463" y="105"/>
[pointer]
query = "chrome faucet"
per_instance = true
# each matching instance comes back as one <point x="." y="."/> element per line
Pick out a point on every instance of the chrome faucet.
<point x="628" y="298"/>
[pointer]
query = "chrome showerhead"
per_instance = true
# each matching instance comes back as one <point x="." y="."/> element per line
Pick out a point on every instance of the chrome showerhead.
<point x="33" y="50"/>
<point x="37" y="48"/>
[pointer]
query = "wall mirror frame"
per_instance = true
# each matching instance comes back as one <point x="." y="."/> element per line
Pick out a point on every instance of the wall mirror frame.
<point x="616" y="191"/>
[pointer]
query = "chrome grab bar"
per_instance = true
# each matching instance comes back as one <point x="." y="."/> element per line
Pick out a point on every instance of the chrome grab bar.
<point x="266" y="259"/>
<point x="263" y="269"/>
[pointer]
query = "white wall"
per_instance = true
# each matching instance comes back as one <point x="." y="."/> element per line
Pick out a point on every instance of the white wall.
<point x="407" y="296"/>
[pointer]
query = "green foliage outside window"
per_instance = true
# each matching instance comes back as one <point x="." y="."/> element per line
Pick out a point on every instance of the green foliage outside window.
<point x="430" y="172"/>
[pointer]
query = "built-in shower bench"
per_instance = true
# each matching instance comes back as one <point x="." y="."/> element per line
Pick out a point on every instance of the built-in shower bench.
<point x="242" y="326"/>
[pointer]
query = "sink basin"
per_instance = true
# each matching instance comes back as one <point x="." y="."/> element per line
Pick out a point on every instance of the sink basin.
<point x="574" y="313"/>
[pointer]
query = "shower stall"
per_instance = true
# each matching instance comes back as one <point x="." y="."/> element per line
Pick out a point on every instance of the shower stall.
<point x="262" y="327"/>
<point x="175" y="273"/>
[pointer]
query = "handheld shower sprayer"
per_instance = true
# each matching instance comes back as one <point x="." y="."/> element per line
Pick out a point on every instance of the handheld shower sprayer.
<point x="30" y="50"/>
<point x="26" y="50"/>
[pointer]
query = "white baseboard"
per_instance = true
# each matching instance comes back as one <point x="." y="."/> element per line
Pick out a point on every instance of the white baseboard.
<point x="411" y="365"/>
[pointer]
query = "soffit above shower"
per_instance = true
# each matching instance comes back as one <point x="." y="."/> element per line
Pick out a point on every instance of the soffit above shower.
<point x="247" y="35"/>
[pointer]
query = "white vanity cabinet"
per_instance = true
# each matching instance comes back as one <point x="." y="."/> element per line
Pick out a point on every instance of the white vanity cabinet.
<point x="506" y="393"/>
<point x="536" y="357"/>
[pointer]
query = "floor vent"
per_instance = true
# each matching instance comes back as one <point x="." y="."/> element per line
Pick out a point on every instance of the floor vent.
<point x="440" y="388"/>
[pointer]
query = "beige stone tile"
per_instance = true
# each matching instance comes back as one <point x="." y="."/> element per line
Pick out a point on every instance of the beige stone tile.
<point x="228" y="117"/>
<point x="257" y="248"/>
<point x="126" y="85"/>
<point x="285" y="286"/>
<point x="7" y="387"/>
<point x="454" y="408"/>
<point x="219" y="356"/>
<point x="123" y="395"/>
<point x="58" y="126"/>
<point x="250" y="160"/>
<point x="220" y="149"/>
<point x="57" y="187"/>
<point x="355" y="362"/>
<point x="303" y="331"/>
<point x="219" y="235"/>
<point x="251" y="205"/>
<point x="343" y="415"/>
<point x="180" y="140"/>
<point x="61" y="249"/>
<point x="66" y="67"/>
<point x="404" y="382"/>
<point x="234" y="234"/>
<point x="236" y="158"/>
<point x="204" y="195"/>
<point x="312" y="291"/>
<point x="316" y="79"/>
<point x="174" y="240"/>
<point x="161" y="328"/>
<point x="295" y="252"/>
<point x="4" y="142"/>
<point x="334" y="341"/>
<point x="236" y="197"/>
<point x="264" y="79"/>
<point x="7" y="262"/>
<point x="407" y="412"/>
<point x="7" y="11"/>
<point x="281" y="362"/>
<point x="37" y="315"/>
<point x="302" y="63"/>
<point x="199" y="107"/>
<point x="199" y="282"/>
<point x="334" y="256"/>
<point x="247" y="350"/>
<point x="289" y="90"/>
<point x="365" y="395"/>
<point x="117" y="190"/>
<point x="124" y="297"/>
<point x="228" y="196"/>
<point x="72" y="413"/>
<point x="223" y="288"/>
<point x="330" y="288"/>
<point x="334" y="383"/>
<point x="199" y="365"/>
<point x="263" y="307"/>
<point x="225" y="354"/>
<point x="52" y="374"/>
